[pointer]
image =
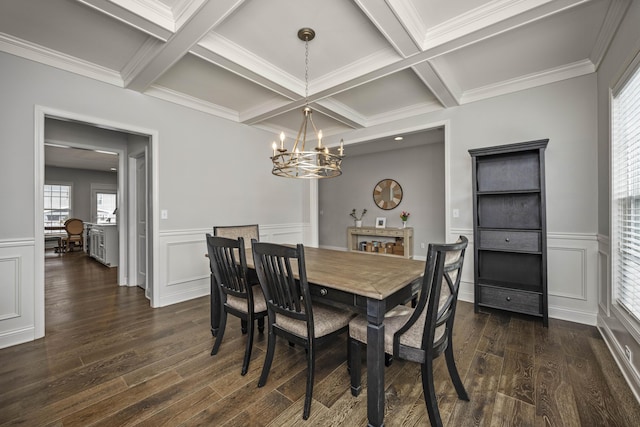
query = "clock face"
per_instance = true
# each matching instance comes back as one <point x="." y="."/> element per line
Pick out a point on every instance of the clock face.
<point x="387" y="194"/>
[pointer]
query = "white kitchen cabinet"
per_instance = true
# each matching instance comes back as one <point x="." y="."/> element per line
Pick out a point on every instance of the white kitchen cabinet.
<point x="104" y="244"/>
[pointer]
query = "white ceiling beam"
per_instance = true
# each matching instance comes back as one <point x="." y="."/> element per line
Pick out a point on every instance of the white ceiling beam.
<point x="161" y="31"/>
<point x="389" y="25"/>
<point x="206" y="18"/>
<point x="436" y="85"/>
<point x="340" y="112"/>
<point x="220" y="52"/>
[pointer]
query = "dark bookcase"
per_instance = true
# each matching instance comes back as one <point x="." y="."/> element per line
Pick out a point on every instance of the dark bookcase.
<point x="509" y="228"/>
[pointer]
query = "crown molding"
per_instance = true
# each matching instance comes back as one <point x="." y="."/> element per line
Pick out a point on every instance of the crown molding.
<point x="372" y="63"/>
<point x="403" y="113"/>
<point x="169" y="95"/>
<point x="59" y="60"/>
<point x="553" y="75"/>
<point x="246" y="60"/>
<point x="154" y="11"/>
<point x="615" y="14"/>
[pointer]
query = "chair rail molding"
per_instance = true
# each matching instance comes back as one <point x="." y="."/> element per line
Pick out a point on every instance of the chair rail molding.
<point x="186" y="274"/>
<point x="573" y="273"/>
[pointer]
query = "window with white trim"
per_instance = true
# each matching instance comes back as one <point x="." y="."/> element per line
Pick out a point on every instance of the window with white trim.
<point x="625" y="194"/>
<point x="57" y="205"/>
<point x="106" y="207"/>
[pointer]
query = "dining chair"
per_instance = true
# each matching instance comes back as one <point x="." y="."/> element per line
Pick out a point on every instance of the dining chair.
<point x="423" y="333"/>
<point x="228" y="263"/>
<point x="247" y="232"/>
<point x="291" y="313"/>
<point x="75" y="234"/>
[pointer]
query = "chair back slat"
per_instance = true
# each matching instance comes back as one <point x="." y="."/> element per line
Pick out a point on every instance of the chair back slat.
<point x="436" y="305"/>
<point x="276" y="266"/>
<point x="228" y="265"/>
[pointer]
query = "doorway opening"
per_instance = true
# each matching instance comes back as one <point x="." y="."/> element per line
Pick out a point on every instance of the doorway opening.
<point x="136" y="141"/>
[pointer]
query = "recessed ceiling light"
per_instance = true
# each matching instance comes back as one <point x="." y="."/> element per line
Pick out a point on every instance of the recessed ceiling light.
<point x="398" y="138"/>
<point x="106" y="152"/>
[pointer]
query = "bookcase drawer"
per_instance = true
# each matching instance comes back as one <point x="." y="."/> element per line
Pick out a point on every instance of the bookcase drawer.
<point x="511" y="299"/>
<point x="510" y="240"/>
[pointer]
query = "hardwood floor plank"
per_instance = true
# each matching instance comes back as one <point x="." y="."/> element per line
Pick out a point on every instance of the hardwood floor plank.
<point x="263" y="411"/>
<point x="70" y="405"/>
<point x="548" y="342"/>
<point x="484" y="374"/>
<point x="476" y="412"/>
<point x="510" y="412"/>
<point x="521" y="335"/>
<point x="616" y="382"/>
<point x="182" y="410"/>
<point x="555" y="401"/>
<point x="596" y="405"/>
<point x="517" y="377"/>
<point x="105" y="409"/>
<point x="495" y="333"/>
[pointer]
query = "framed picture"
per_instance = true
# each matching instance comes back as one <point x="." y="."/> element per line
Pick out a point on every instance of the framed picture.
<point x="381" y="222"/>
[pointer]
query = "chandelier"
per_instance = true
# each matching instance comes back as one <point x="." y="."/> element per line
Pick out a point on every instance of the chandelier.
<point x="299" y="162"/>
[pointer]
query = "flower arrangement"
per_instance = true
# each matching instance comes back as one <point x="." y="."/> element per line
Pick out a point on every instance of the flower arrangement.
<point x="404" y="215"/>
<point x="355" y="216"/>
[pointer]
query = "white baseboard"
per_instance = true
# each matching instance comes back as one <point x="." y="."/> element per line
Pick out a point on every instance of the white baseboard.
<point x="11" y="338"/>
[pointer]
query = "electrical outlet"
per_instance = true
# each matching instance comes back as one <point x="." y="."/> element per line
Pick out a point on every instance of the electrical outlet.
<point x="627" y="352"/>
<point x="421" y="245"/>
<point x="456" y="213"/>
<point x="164" y="214"/>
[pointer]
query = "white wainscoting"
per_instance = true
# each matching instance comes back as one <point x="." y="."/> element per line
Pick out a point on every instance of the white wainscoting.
<point x="616" y="326"/>
<point x="572" y="275"/>
<point x="184" y="270"/>
<point x="17" y="284"/>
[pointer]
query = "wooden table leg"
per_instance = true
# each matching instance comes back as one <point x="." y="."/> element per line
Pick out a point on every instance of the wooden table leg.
<point x="375" y="362"/>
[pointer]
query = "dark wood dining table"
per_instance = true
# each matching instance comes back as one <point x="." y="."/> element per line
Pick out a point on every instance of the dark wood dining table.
<point x="365" y="283"/>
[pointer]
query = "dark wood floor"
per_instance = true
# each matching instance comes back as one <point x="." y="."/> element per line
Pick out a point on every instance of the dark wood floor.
<point x="108" y="359"/>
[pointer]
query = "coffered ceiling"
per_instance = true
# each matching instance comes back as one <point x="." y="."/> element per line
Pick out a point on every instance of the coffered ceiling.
<point x="371" y="62"/>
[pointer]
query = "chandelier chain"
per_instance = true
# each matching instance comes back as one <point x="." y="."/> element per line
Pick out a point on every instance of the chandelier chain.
<point x="306" y="72"/>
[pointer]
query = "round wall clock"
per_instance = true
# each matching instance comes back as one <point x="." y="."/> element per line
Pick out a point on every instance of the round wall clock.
<point x="387" y="194"/>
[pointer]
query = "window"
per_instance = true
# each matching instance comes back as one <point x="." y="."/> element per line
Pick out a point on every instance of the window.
<point x="626" y="192"/>
<point x="57" y="205"/>
<point x="106" y="208"/>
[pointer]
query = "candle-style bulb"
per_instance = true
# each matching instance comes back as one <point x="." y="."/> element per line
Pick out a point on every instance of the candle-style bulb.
<point x="274" y="146"/>
<point x="341" y="147"/>
<point x="282" y="140"/>
<point x="319" y="139"/>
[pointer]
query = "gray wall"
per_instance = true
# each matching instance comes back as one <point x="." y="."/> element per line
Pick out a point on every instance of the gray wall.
<point x="81" y="181"/>
<point x="420" y="173"/>
<point x="200" y="181"/>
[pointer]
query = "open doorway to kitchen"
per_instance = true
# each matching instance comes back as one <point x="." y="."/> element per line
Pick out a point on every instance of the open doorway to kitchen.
<point x="88" y="133"/>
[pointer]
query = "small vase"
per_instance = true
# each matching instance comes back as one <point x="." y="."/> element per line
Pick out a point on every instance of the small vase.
<point x="358" y="224"/>
<point x="404" y="224"/>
